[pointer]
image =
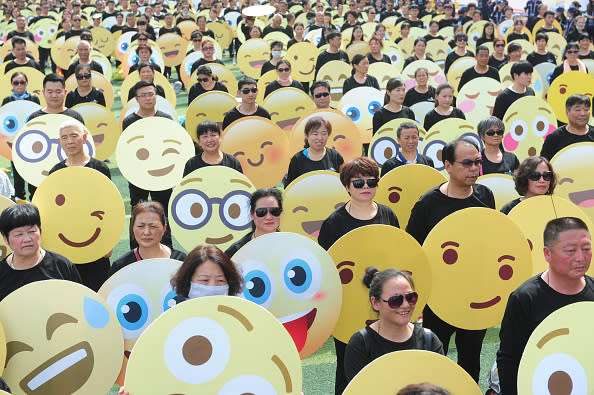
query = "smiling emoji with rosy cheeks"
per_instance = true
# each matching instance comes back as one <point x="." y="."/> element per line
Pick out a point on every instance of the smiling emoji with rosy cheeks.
<point x="471" y="285"/>
<point x="373" y="245"/>
<point x="173" y="47"/>
<point x="82" y="213"/>
<point x="303" y="57"/>
<point x="261" y="147"/>
<point x="69" y="342"/>
<point x="151" y="159"/>
<point x="286" y="106"/>
<point x="335" y="73"/>
<point x="252" y="55"/>
<point x="297" y="282"/>
<point x="477" y="98"/>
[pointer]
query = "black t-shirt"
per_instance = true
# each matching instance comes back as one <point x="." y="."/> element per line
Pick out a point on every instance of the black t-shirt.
<point x="197" y="89"/>
<point x="301" y="164"/>
<point x="134" y="67"/>
<point x="340" y="222"/>
<point x="429" y="37"/>
<point x="452" y="57"/>
<point x="432" y="117"/>
<point x="470" y="74"/>
<point x="31" y="97"/>
<point x="130" y="257"/>
<point x="561" y="138"/>
<point x="196" y="162"/>
<point x="130" y="119"/>
<point x="385" y="58"/>
<point x="326" y="57"/>
<point x="413" y="97"/>
<point x="515" y="36"/>
<point x="238" y="244"/>
<point x="201" y="62"/>
<point x="536" y="58"/>
<point x="274" y="85"/>
<point x="411" y="59"/>
<point x="497" y="63"/>
<point x="52" y="267"/>
<point x="383" y="116"/>
<point x="506" y="99"/>
<point x="234" y="115"/>
<point x="95" y="66"/>
<point x="508" y="164"/>
<point x="351" y="83"/>
<point x="447" y="22"/>
<point x="91" y="164"/>
<point x="95" y="96"/>
<point x="67" y="112"/>
<point x="174" y="30"/>
<point x="507" y="207"/>
<point x="72" y="33"/>
<point x="395" y="162"/>
<point x="26" y="34"/>
<point x="30" y="63"/>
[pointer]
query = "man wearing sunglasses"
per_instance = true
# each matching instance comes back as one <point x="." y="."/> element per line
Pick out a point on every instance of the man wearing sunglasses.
<point x="462" y="161"/>
<point x="320" y="94"/>
<point x="568" y="251"/>
<point x="247" y="91"/>
<point x="83" y="49"/>
<point x="521" y="72"/>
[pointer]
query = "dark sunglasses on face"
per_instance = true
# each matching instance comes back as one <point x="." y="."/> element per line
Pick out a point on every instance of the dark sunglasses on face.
<point x="359" y="182"/>
<point x="22" y="82"/>
<point x="535" y="176"/>
<point x="323" y="94"/>
<point x="572" y="52"/>
<point x="207" y="48"/>
<point x="84" y="76"/>
<point x="492" y="132"/>
<point x="262" y="211"/>
<point x="468" y="163"/>
<point x="396" y="301"/>
<point x="197" y="40"/>
<point x="283" y="69"/>
<point x="248" y="90"/>
<point x="203" y="79"/>
<point x="500" y="45"/>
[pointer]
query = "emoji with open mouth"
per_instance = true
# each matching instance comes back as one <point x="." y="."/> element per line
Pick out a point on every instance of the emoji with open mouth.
<point x="286" y="106"/>
<point x="13" y="116"/>
<point x="359" y="105"/>
<point x="297" y="282"/>
<point x="373" y="245"/>
<point x="44" y="31"/>
<point x="335" y="73"/>
<point x="173" y="48"/>
<point x="471" y="285"/>
<point x="211" y="205"/>
<point x="477" y="98"/>
<point x="252" y="55"/>
<point x="303" y="57"/>
<point x="103" y="125"/>
<point x="76" y="223"/>
<point x="69" y="342"/>
<point x="151" y="159"/>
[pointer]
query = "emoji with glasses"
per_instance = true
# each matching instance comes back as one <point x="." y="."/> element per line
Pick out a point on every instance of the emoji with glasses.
<point x="13" y="116"/>
<point x="211" y="205"/>
<point x="36" y="149"/>
<point x="68" y="342"/>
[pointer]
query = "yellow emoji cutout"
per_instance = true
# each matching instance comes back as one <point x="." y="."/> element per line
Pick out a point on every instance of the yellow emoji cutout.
<point x="528" y="121"/>
<point x="477" y="98"/>
<point x="69" y="342"/>
<point x="314" y="37"/>
<point x="159" y="79"/>
<point x="309" y="200"/>
<point x="67" y="51"/>
<point x="6" y="48"/>
<point x="406" y="46"/>
<point x="173" y="48"/>
<point x="278" y="36"/>
<point x="44" y="31"/>
<point x="303" y="57"/>
<point x="286" y="106"/>
<point x="402" y="187"/>
<point x="123" y="44"/>
<point x="187" y="27"/>
<point x="436" y="75"/>
<point x="222" y="32"/>
<point x="252" y="55"/>
<point x="103" y="40"/>
<point x="225" y="76"/>
<point x="413" y="367"/>
<point x="502" y="186"/>
<point x="36" y="150"/>
<point x="4" y="249"/>
<point x="13" y="116"/>
<point x="359" y="105"/>
<point x="297" y="282"/>
<point x="475" y="32"/>
<point x="437" y="50"/>
<point x="76" y="223"/>
<point x="421" y="109"/>
<point x="215" y="345"/>
<point x="193" y="213"/>
<point x="104" y="127"/>
<point x="504" y="26"/>
<point x="261" y="147"/>
<point x="557" y="357"/>
<point x="373" y="245"/>
<point x="442" y="133"/>
<point x="56" y="53"/>
<point x="382" y="72"/>
<point x="457" y="69"/>
<point x="361" y="48"/>
<point x="384" y="144"/>
<point x="556" y="44"/>
<point x="151" y="159"/>
<point x="395" y="54"/>
<point x="335" y="73"/>
<point x="263" y="82"/>
<point x="470" y="295"/>
<point x="546" y="72"/>
<point x="567" y="84"/>
<point x="209" y="106"/>
<point x="98" y="81"/>
<point x="35" y="84"/>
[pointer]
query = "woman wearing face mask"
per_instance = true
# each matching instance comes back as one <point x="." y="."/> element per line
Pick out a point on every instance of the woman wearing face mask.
<point x="284" y="80"/>
<point x="276" y="53"/>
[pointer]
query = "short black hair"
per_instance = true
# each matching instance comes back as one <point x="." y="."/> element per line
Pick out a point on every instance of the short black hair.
<point x="142" y="65"/>
<point x="559" y="225"/>
<point x="19" y="215"/>
<point x="577" y="99"/>
<point x="207" y="126"/>
<point x="548" y="12"/>
<point x="449" y="150"/>
<point x="18" y="40"/>
<point x="482" y="48"/>
<point x="541" y="36"/>
<point x="512" y="47"/>
<point x="54" y="77"/>
<point x="406" y="125"/>
<point x="523" y="66"/>
<point x="319" y="83"/>
<point x="245" y="81"/>
<point x="332" y="34"/>
<point x="142" y="84"/>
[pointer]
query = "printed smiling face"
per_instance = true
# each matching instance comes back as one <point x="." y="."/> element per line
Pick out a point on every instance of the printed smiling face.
<point x="286" y="106"/>
<point x="567" y="84"/>
<point x="252" y="55"/>
<point x="173" y="48"/>
<point x="335" y="73"/>
<point x="477" y="98"/>
<point x="103" y="126"/>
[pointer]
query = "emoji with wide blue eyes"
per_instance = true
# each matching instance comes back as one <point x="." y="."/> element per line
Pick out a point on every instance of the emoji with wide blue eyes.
<point x="384" y="144"/>
<point x="215" y="345"/>
<point x="477" y="98"/>
<point x="436" y="75"/>
<point x="286" y="106"/>
<point x="211" y="205"/>
<point x="13" y="116"/>
<point x="68" y="342"/>
<point x="297" y="282"/>
<point x="360" y="104"/>
<point x="123" y="44"/>
<point x="335" y="73"/>
<point x="36" y="149"/>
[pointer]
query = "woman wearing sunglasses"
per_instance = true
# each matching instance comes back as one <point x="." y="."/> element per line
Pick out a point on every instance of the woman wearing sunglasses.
<point x="207" y="82"/>
<point x="498" y="58"/>
<point x="19" y="82"/>
<point x="392" y="294"/>
<point x="284" y="80"/>
<point x="534" y="177"/>
<point x="495" y="158"/>
<point x="266" y="206"/>
<point x="571" y="61"/>
<point x="84" y="92"/>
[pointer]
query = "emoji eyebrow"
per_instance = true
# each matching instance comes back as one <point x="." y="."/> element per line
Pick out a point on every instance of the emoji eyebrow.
<point x="566" y="179"/>
<point x="43" y="123"/>
<point x="172" y="141"/>
<point x="384" y="130"/>
<point x="397" y="188"/>
<point x="338" y="136"/>
<point x="300" y="208"/>
<point x="431" y="134"/>
<point x="299" y="108"/>
<point x="509" y="116"/>
<point x="544" y="109"/>
<point x="184" y="182"/>
<point x="134" y="138"/>
<point x="450" y="243"/>
<point x="562" y="84"/>
<point x="502" y="257"/>
<point x="101" y="124"/>
<point x="284" y="371"/>
<point x="347" y="263"/>
<point x="466" y="127"/>
<point x="551" y="335"/>
<point x="237" y="315"/>
<point x="247" y="184"/>
<point x="15" y="347"/>
<point x="55" y="321"/>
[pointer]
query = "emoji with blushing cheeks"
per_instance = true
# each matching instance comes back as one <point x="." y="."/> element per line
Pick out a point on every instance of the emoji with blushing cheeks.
<point x="151" y="159"/>
<point x="215" y="345"/>
<point x="211" y="106"/>
<point x="261" y="147"/>
<point x="193" y="214"/>
<point x="360" y="104"/>
<point x="335" y="73"/>
<point x="557" y="357"/>
<point x="69" y="342"/>
<point x="286" y="106"/>
<point x="75" y="223"/>
<point x="172" y="47"/>
<point x="384" y="144"/>
<point x="44" y="31"/>
<point x="477" y="98"/>
<point x="567" y="84"/>
<point x="13" y="116"/>
<point x="467" y="294"/>
<point x="309" y="200"/>
<point x="4" y="248"/>
<point x="502" y="186"/>
<point x="103" y="125"/>
<point x="528" y="122"/>
<point x="372" y="245"/>
<point x="252" y="55"/>
<point x="436" y="75"/>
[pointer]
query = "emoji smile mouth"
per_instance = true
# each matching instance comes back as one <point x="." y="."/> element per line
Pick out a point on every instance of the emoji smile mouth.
<point x="487" y="304"/>
<point x="312" y="228"/>
<point x="257" y="64"/>
<point x="583" y="198"/>
<point x="309" y="72"/>
<point x="219" y="240"/>
<point x="298" y="324"/>
<point x="98" y="139"/>
<point x="69" y="370"/>
<point x="287" y="124"/>
<point x="256" y="164"/>
<point x="161" y="172"/>
<point x="171" y="54"/>
<point x="81" y="244"/>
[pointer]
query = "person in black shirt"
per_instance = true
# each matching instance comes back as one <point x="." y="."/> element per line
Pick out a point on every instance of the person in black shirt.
<point x="276" y="53"/>
<point x="521" y="72"/>
<point x="433" y="32"/>
<point x="375" y="54"/>
<point x="518" y="32"/>
<point x="84" y="92"/>
<point x="19" y="51"/>
<point x="83" y="49"/>
<point x="444" y="97"/>
<point x="540" y="54"/>
<point x="421" y="91"/>
<point x="571" y="62"/>
<point x="247" y="89"/>
<point x="21" y="23"/>
<point x="448" y="19"/>
<point x="482" y="68"/>
<point x="488" y="34"/>
<point x="144" y="52"/>
<point x="393" y="107"/>
<point x="420" y="45"/>
<point x="333" y="52"/>
<point x="76" y="27"/>
<point x="298" y="30"/>
<point x="146" y="72"/>
<point x="19" y="82"/>
<point x="495" y="158"/>
<point x="359" y="76"/>
<point x="585" y="42"/>
<point x="549" y="18"/>
<point x="460" y="51"/>
<point x="284" y="80"/>
<point x="407" y="135"/>
<point x="498" y="58"/>
<point x="207" y="82"/>
<point x="208" y="56"/>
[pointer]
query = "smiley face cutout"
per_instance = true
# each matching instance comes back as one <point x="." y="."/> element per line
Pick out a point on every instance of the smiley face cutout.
<point x="470" y="295"/>
<point x="252" y="55"/>
<point x="44" y="31"/>
<point x="13" y="116"/>
<point x="383" y="72"/>
<point x="209" y="106"/>
<point x="384" y="144"/>
<point x="261" y="147"/>
<point x="215" y="345"/>
<point x="173" y="48"/>
<point x="557" y="353"/>
<point x="335" y="73"/>
<point x="477" y="98"/>
<point x="69" y="341"/>
<point x="286" y="106"/>
<point x="360" y="104"/>
<point x="567" y="84"/>
<point x="150" y="159"/>
<point x="502" y="186"/>
<point x="297" y="282"/>
<point x="372" y="245"/>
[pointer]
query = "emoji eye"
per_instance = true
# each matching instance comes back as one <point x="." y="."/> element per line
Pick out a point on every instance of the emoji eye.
<point x="562" y="90"/>
<point x="345" y="274"/>
<point x="474" y="137"/>
<point x="10" y="125"/>
<point x="301" y="274"/>
<point x="394" y="196"/>
<point x="561" y="371"/>
<point x="198" y="350"/>
<point x="353" y="113"/>
<point x="52" y="30"/>
<point x="40" y="33"/>
<point x="133" y="307"/>
<point x="124" y="46"/>
<point x="33" y="146"/>
<point x="433" y="150"/>
<point x="167" y="298"/>
<point x="383" y="149"/>
<point x="518" y="130"/>
<point x="258" y="285"/>
<point x="373" y="107"/>
<point x="540" y="126"/>
<point x="473" y="37"/>
<point x="248" y="384"/>
<point x="235" y="211"/>
<point x="450" y="256"/>
<point x="190" y="209"/>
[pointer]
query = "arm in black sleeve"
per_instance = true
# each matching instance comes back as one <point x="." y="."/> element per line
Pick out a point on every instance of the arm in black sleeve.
<point x="292" y="172"/>
<point x="327" y="235"/>
<point x="499" y="107"/>
<point x="546" y="150"/>
<point x="417" y="223"/>
<point x="377" y="121"/>
<point x="356" y="356"/>
<point x="101" y="98"/>
<point x="511" y="347"/>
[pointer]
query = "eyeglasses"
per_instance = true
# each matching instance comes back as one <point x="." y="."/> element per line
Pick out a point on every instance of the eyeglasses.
<point x="207" y="48"/>
<point x="323" y="94"/>
<point x="468" y="163"/>
<point x="460" y="39"/>
<point x="359" y="182"/>
<point x="147" y="94"/>
<point x="283" y="69"/>
<point x="17" y="82"/>
<point x="572" y="52"/>
<point x="500" y="45"/>
<point x="83" y="76"/>
<point x="492" y="132"/>
<point x="76" y="20"/>
<point x="248" y="90"/>
<point x="262" y="211"/>
<point x="197" y="40"/>
<point x="535" y="176"/>
<point x="204" y="79"/>
<point x="396" y="301"/>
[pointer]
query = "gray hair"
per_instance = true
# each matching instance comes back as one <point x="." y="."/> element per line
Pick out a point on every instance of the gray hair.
<point x="72" y="124"/>
<point x="487" y="124"/>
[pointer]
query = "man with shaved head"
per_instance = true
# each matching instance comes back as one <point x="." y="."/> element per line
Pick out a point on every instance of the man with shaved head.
<point x="83" y="49"/>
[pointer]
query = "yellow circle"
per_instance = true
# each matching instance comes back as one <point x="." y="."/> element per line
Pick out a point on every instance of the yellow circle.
<point x="222" y="32"/>
<point x="359" y="105"/>
<point x="98" y="81"/>
<point x="383" y="72"/>
<point x="252" y="55"/>
<point x="457" y="69"/>
<point x="13" y="116"/>
<point x="103" y="40"/>
<point x="567" y="84"/>
<point x="35" y="84"/>
<point x="103" y="125"/>
<point x="477" y="98"/>
<point x="437" y="50"/>
<point x="44" y="31"/>
<point x="303" y="57"/>
<point x="4" y="251"/>
<point x="286" y="106"/>
<point x="187" y="27"/>
<point x="436" y="75"/>
<point x="335" y="72"/>
<point x="173" y="48"/>
<point x="209" y="106"/>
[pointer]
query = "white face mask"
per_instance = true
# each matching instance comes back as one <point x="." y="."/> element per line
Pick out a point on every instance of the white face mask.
<point x="276" y="54"/>
<point x="199" y="290"/>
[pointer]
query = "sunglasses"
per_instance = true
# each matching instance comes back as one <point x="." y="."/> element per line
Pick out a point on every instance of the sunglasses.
<point x="461" y="39"/>
<point x="396" y="301"/>
<point x="207" y="48"/>
<point x="262" y="211"/>
<point x="492" y="132"/>
<point x="535" y="176"/>
<point x="468" y="163"/>
<point x="22" y="82"/>
<point x="283" y="69"/>
<point x="203" y="79"/>
<point x="323" y="94"/>
<point x="500" y="45"/>
<point x="84" y="76"/>
<point x="196" y="40"/>
<point x="359" y="182"/>
<point x="572" y="52"/>
<point x="248" y="90"/>
<point x="76" y="20"/>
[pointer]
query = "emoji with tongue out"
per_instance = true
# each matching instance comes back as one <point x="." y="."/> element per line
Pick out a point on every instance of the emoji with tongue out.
<point x="297" y="282"/>
<point x="286" y="106"/>
<point x="173" y="47"/>
<point x="68" y="342"/>
<point x="252" y="55"/>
